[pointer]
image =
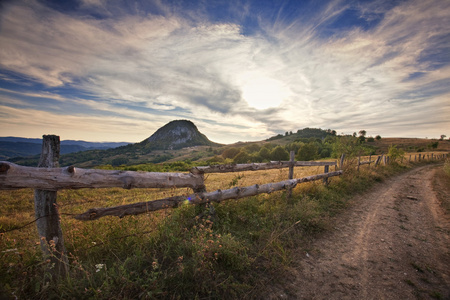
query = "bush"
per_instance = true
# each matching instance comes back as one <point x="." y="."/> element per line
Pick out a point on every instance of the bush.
<point x="394" y="153"/>
<point x="308" y="151"/>
<point x="264" y="153"/>
<point x="447" y="166"/>
<point x="230" y="152"/>
<point x="119" y="161"/>
<point x="242" y="157"/>
<point x="279" y="154"/>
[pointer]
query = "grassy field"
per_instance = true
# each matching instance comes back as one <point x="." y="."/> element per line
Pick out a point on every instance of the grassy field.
<point x="238" y="251"/>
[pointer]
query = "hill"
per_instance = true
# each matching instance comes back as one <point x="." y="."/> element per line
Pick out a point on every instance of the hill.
<point x="176" y="135"/>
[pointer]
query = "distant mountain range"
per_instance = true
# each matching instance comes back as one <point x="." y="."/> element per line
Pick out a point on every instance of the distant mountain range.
<point x="21" y="147"/>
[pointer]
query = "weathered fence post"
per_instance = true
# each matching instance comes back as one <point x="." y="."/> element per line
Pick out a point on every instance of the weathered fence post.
<point x="291" y="171"/>
<point x="341" y="164"/>
<point x="326" y="170"/>
<point x="46" y="210"/>
<point x="378" y="160"/>
<point x="359" y="162"/>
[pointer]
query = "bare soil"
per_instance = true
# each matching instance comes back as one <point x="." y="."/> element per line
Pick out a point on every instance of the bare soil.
<point x="393" y="243"/>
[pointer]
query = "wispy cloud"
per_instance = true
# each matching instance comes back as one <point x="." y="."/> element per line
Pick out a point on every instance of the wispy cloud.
<point x="388" y="68"/>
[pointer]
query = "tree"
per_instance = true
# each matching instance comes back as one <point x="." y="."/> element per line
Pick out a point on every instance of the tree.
<point x="394" y="153"/>
<point x="308" y="152"/>
<point x="252" y="148"/>
<point x="362" y="136"/>
<point x="230" y="152"/>
<point x="242" y="157"/>
<point x="119" y="161"/>
<point x="378" y="137"/>
<point x="443" y="136"/>
<point x="279" y="154"/>
<point x="264" y="153"/>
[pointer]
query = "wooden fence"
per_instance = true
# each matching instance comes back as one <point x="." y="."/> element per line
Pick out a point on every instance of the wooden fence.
<point x="48" y="178"/>
<point x="385" y="159"/>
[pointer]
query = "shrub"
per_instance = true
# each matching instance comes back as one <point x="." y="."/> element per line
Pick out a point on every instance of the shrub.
<point x="394" y="153"/>
<point x="308" y="151"/>
<point x="279" y="154"/>
<point x="230" y="152"/>
<point x="264" y="153"/>
<point x="119" y="161"/>
<point x="447" y="166"/>
<point x="242" y="157"/>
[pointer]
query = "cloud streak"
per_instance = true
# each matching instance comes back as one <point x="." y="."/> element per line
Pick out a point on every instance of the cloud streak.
<point x="148" y="65"/>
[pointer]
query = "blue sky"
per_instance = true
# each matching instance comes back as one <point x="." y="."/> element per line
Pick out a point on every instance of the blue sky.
<point x="100" y="70"/>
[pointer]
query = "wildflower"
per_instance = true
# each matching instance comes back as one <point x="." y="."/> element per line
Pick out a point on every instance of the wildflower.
<point x="155" y="265"/>
<point x="9" y="250"/>
<point x="98" y="267"/>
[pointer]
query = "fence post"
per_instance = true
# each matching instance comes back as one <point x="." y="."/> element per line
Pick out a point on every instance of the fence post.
<point x="47" y="215"/>
<point x="359" y="162"/>
<point x="341" y="164"/>
<point x="291" y="171"/>
<point x="326" y="170"/>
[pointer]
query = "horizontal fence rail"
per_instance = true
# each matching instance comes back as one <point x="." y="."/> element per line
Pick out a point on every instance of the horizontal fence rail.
<point x="13" y="176"/>
<point x="258" y="166"/>
<point x="198" y="198"/>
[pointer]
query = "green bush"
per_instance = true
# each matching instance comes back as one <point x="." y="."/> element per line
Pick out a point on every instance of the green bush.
<point x="308" y="151"/>
<point x="279" y="154"/>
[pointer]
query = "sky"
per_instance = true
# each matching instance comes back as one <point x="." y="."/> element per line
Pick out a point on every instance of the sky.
<point x="117" y="70"/>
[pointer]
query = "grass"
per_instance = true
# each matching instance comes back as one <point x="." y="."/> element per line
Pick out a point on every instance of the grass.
<point x="238" y="251"/>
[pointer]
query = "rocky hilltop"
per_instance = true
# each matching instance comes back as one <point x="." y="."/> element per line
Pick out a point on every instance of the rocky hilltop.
<point x="176" y="135"/>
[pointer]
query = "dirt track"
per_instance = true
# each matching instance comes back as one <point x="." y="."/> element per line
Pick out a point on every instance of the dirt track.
<point x="393" y="243"/>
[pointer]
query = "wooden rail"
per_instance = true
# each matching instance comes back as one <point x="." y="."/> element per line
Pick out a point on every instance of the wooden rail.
<point x="198" y="198"/>
<point x="258" y="166"/>
<point x="13" y="176"/>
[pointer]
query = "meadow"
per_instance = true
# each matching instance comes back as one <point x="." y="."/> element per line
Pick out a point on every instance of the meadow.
<point x="238" y="248"/>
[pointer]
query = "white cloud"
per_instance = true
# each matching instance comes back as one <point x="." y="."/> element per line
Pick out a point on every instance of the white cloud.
<point x="173" y="67"/>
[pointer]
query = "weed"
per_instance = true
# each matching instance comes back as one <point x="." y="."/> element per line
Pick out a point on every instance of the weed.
<point x="417" y="267"/>
<point x="436" y="295"/>
<point x="447" y="166"/>
<point x="409" y="282"/>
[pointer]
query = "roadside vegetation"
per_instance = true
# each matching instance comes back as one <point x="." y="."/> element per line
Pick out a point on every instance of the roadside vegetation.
<point x="235" y="249"/>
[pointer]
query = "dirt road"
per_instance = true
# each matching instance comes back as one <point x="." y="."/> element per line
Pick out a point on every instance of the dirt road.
<point x="393" y="243"/>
